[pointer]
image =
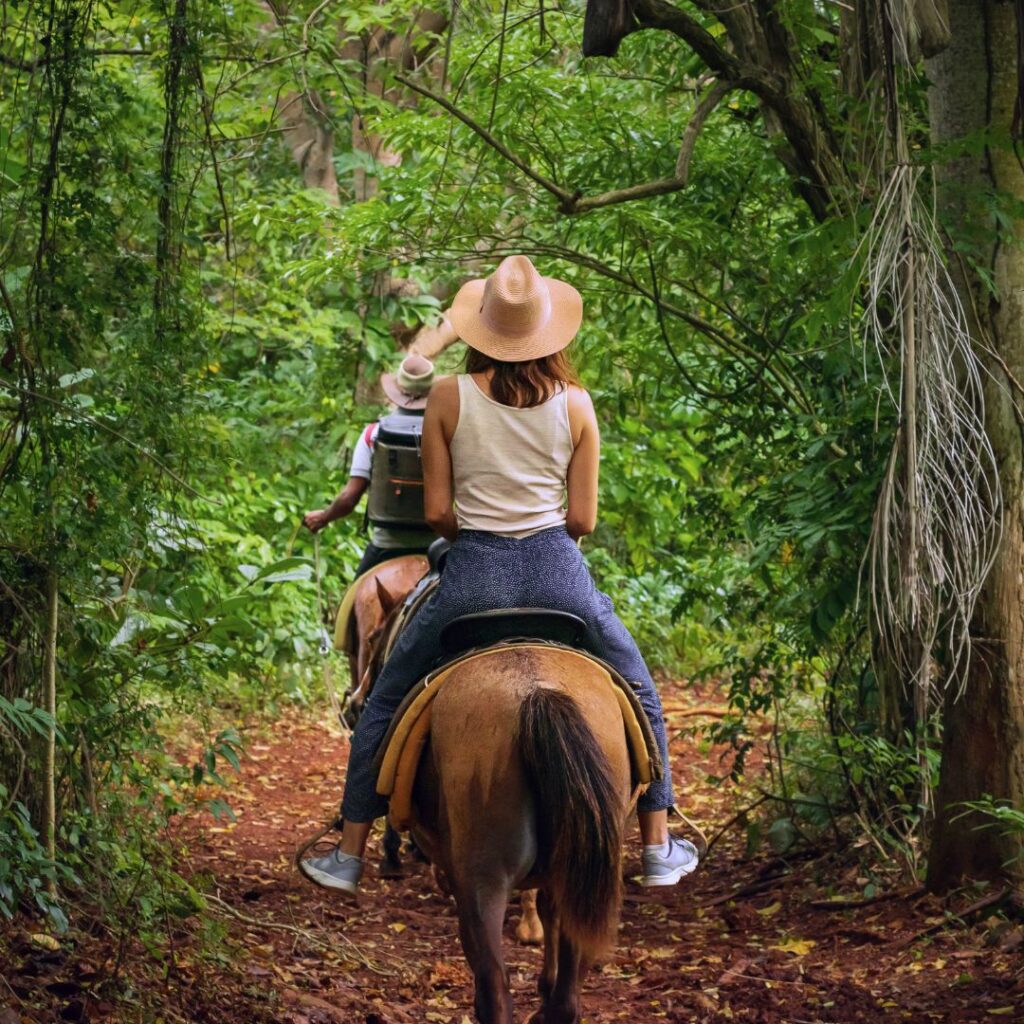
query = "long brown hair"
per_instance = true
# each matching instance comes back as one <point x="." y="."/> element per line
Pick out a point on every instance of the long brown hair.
<point x="526" y="384"/>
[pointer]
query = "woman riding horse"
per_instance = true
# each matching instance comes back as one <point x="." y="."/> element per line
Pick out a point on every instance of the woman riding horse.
<point x="510" y="463"/>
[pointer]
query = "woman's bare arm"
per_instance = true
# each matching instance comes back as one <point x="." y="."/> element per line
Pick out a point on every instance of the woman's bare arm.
<point x="581" y="480"/>
<point x="439" y="423"/>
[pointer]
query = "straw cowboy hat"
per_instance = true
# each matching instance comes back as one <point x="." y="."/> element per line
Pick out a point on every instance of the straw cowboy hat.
<point x="515" y="314"/>
<point x="409" y="386"/>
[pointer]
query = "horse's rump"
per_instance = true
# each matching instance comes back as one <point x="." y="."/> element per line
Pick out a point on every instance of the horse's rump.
<point x="529" y="764"/>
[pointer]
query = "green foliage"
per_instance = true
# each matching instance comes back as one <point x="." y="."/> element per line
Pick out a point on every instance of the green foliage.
<point x="25" y="869"/>
<point x="158" y="455"/>
<point x="1000" y="815"/>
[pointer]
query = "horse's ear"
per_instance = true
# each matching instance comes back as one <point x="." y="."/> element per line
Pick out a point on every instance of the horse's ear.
<point x="387" y="602"/>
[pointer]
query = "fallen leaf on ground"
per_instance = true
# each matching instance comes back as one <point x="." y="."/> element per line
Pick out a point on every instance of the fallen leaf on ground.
<point x="798" y="947"/>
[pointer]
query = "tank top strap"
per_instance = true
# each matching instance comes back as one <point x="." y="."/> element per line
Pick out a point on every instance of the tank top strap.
<point x="471" y="394"/>
<point x="466" y="391"/>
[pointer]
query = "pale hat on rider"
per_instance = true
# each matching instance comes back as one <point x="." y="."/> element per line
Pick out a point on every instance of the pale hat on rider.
<point x="409" y="386"/>
<point x="515" y="314"/>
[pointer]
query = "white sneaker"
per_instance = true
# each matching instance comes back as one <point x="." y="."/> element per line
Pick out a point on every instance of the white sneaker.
<point x="665" y="865"/>
<point x="333" y="870"/>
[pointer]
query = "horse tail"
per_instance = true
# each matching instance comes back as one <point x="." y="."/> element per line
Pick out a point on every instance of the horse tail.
<point x="579" y="831"/>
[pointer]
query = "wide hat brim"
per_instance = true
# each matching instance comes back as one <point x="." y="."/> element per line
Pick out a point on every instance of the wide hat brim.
<point x="561" y="326"/>
<point x="395" y="395"/>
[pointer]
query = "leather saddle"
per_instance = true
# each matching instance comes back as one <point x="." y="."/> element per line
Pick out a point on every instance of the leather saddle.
<point x="482" y="629"/>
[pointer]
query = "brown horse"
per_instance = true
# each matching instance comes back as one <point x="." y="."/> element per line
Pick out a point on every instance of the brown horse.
<point x="380" y="608"/>
<point x="525" y="783"/>
<point x="378" y="594"/>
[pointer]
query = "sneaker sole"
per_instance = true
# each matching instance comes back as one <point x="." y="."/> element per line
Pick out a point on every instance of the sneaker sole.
<point x="648" y="881"/>
<point x="326" y="881"/>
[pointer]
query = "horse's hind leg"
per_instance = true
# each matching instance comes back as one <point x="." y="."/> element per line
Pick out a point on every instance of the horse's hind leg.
<point x="391" y="863"/>
<point x="529" y="931"/>
<point x="563" y="1005"/>
<point x="549" y="972"/>
<point x="481" y="917"/>
<point x="564" y="967"/>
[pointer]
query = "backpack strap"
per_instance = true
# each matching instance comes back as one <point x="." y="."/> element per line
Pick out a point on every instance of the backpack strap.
<point x="368" y="439"/>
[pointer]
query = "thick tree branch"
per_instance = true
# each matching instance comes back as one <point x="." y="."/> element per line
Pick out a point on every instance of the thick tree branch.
<point x="714" y="96"/>
<point x="624" y="195"/>
<point x="788" y="111"/>
<point x="663" y="15"/>
<point x="565" y="197"/>
<point x="575" y="202"/>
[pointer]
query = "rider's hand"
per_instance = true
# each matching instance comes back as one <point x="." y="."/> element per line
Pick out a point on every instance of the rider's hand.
<point x="317" y="520"/>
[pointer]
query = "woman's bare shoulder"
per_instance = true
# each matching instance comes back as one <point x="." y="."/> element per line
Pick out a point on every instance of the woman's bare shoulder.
<point x="579" y="399"/>
<point x="443" y="402"/>
<point x="582" y="418"/>
<point x="444" y="390"/>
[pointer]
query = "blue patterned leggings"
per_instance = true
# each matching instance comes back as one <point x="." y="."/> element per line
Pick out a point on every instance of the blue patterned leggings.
<point x="487" y="571"/>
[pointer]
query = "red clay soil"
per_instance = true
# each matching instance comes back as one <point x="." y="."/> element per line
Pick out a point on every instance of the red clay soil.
<point x="741" y="940"/>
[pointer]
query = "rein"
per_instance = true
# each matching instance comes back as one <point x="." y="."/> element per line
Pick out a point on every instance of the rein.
<point x="325" y="639"/>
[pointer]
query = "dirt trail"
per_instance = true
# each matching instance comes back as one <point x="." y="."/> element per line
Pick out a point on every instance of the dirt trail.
<point x="296" y="954"/>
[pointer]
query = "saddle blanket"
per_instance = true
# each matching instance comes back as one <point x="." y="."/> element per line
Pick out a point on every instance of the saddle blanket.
<point x="345" y="622"/>
<point x="399" y="756"/>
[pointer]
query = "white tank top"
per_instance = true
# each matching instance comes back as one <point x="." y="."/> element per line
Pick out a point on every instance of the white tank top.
<point x="509" y="465"/>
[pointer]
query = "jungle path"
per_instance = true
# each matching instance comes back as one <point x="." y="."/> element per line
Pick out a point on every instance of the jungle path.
<point x="744" y="939"/>
<point x="688" y="953"/>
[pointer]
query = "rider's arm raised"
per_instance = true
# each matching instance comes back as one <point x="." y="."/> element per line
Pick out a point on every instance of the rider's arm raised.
<point x="439" y="422"/>
<point x="581" y="480"/>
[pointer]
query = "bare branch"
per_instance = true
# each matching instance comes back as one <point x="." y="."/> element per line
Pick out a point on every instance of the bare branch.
<point x="565" y="198"/>
<point x="714" y="96"/>
<point x="625" y="195"/>
<point x="663" y="15"/>
<point x="569" y="202"/>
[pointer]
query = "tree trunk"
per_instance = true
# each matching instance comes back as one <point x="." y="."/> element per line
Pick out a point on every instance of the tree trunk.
<point x="308" y="135"/>
<point x="50" y="705"/>
<point x="973" y="92"/>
